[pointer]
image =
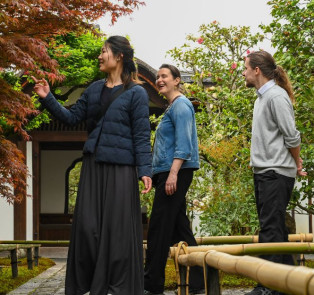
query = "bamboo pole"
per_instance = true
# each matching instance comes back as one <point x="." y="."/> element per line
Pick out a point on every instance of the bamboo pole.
<point x="248" y="239"/>
<point x="23" y="242"/>
<point x="7" y="247"/>
<point x="215" y="240"/>
<point x="253" y="249"/>
<point x="200" y="240"/>
<point x="284" y="278"/>
<point x="280" y="277"/>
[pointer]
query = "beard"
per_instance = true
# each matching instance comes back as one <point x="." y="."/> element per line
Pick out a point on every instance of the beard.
<point x="249" y="84"/>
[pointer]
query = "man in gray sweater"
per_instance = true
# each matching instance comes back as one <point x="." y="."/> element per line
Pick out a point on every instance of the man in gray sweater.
<point x="275" y="150"/>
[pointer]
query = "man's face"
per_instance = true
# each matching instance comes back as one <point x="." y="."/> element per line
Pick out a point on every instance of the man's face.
<point x="249" y="74"/>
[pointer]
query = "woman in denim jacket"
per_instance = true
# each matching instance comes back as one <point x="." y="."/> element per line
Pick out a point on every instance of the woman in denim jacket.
<point x="175" y="157"/>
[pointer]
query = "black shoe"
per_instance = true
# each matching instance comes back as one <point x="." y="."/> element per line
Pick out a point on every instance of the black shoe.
<point x="151" y="293"/>
<point x="198" y="291"/>
<point x="260" y="290"/>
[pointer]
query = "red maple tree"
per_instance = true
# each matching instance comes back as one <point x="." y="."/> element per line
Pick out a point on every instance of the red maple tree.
<point x="25" y="28"/>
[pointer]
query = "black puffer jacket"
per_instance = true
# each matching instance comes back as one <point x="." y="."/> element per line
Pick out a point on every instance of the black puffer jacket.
<point x="122" y="136"/>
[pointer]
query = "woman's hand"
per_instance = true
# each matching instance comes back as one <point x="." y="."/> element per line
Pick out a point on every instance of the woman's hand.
<point x="147" y="183"/>
<point x="171" y="183"/>
<point x="41" y="87"/>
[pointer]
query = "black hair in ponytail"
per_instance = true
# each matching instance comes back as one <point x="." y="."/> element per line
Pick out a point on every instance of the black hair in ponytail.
<point x="121" y="45"/>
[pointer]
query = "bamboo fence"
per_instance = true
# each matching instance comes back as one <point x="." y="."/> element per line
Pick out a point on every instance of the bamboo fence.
<point x="252" y="249"/>
<point x="13" y="248"/>
<point x="297" y="280"/>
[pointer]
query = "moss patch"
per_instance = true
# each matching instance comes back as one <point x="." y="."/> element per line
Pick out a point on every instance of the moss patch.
<point x="7" y="283"/>
<point x="170" y="281"/>
<point x="234" y="281"/>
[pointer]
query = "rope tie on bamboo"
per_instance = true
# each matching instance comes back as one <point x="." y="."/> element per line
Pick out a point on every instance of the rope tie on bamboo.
<point x="181" y="245"/>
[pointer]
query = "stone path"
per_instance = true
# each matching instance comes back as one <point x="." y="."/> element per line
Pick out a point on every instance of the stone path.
<point x="48" y="282"/>
<point x="52" y="280"/>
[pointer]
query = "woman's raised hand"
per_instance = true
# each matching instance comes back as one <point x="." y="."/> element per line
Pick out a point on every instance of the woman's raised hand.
<point x="41" y="87"/>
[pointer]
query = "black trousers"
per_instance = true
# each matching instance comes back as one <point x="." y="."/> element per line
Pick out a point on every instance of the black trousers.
<point x="168" y="225"/>
<point x="273" y="192"/>
<point x="106" y="247"/>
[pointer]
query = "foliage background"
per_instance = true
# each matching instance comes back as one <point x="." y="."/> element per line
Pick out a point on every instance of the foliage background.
<point x="292" y="34"/>
<point x="222" y="190"/>
<point x="26" y="27"/>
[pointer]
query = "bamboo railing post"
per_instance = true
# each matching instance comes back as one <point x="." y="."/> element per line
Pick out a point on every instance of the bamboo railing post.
<point x="182" y="271"/>
<point x="14" y="263"/>
<point x="183" y="286"/>
<point x="36" y="254"/>
<point x="211" y="279"/>
<point x="30" y="258"/>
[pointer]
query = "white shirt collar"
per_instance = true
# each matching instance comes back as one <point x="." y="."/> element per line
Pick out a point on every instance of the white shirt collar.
<point x="265" y="87"/>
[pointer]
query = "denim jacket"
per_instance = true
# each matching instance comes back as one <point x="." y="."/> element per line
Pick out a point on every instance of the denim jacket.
<point x="176" y="137"/>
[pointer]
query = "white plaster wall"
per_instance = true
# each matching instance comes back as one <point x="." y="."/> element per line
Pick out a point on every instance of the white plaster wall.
<point x="302" y="223"/>
<point x="29" y="191"/>
<point x="6" y="220"/>
<point x="302" y="219"/>
<point x="53" y="167"/>
<point x="196" y="224"/>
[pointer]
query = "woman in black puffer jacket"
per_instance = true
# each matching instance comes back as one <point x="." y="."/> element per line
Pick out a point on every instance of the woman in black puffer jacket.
<point x="105" y="253"/>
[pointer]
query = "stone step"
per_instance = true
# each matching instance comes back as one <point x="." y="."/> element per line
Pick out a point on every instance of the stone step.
<point x="53" y="252"/>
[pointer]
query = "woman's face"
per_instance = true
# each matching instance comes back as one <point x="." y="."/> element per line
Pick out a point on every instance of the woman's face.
<point x="165" y="82"/>
<point x="107" y="61"/>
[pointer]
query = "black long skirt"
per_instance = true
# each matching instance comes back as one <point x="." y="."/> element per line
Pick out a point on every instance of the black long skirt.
<point x="106" y="247"/>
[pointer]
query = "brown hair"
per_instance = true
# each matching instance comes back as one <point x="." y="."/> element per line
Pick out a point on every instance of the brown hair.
<point x="266" y="63"/>
<point x="175" y="73"/>
<point x="121" y="45"/>
<point x="173" y="70"/>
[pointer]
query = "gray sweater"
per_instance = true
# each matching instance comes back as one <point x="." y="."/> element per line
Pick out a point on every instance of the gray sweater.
<point x="273" y="133"/>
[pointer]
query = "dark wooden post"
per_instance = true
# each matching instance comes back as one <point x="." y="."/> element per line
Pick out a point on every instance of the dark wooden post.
<point x="30" y="258"/>
<point x="183" y="287"/>
<point x="36" y="255"/>
<point x="211" y="280"/>
<point x="14" y="263"/>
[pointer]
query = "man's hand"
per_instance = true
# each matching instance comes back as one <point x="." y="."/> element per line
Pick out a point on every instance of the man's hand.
<point x="300" y="167"/>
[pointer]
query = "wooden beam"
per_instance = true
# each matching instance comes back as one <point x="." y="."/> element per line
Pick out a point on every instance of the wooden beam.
<point x="59" y="136"/>
<point x="20" y="207"/>
<point x="36" y="189"/>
